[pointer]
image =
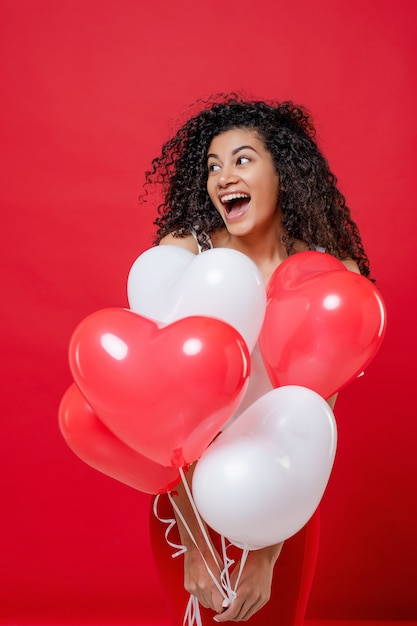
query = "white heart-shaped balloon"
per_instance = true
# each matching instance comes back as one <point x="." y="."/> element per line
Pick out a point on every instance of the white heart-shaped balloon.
<point x="168" y="283"/>
<point x="262" y="479"/>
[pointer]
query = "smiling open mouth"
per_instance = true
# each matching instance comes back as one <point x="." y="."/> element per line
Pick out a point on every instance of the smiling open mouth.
<point x="235" y="202"/>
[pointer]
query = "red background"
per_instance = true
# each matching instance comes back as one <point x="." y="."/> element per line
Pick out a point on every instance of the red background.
<point x="89" y="90"/>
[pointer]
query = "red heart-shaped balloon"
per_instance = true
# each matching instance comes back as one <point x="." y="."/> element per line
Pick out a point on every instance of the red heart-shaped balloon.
<point x="166" y="392"/>
<point x="97" y="446"/>
<point x="323" y="323"/>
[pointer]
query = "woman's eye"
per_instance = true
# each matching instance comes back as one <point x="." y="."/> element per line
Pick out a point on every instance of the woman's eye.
<point x="213" y="167"/>
<point x="242" y="160"/>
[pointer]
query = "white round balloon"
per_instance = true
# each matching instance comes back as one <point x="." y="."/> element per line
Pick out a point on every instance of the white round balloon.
<point x="168" y="283"/>
<point x="262" y="479"/>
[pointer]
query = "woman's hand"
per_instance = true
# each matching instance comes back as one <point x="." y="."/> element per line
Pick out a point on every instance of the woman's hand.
<point x="198" y="581"/>
<point x="254" y="588"/>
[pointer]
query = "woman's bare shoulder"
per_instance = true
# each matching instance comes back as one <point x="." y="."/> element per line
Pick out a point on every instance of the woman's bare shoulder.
<point x="188" y="242"/>
<point x="351" y="265"/>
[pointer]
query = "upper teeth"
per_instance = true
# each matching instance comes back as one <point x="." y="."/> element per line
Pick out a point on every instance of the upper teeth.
<point x="233" y="196"/>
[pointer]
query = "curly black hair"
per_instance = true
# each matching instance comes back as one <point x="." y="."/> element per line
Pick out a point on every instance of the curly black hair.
<point x="313" y="209"/>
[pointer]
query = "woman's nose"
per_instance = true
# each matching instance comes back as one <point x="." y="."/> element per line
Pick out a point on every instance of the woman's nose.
<point x="227" y="177"/>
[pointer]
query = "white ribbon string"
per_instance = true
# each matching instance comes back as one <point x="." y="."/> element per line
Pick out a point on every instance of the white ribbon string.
<point x="171" y="521"/>
<point x="225" y="575"/>
<point x="242" y="565"/>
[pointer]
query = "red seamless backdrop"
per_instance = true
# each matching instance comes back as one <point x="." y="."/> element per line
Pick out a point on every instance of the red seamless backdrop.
<point x="89" y="90"/>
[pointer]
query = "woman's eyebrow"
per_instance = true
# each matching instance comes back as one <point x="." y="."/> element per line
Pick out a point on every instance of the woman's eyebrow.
<point x="235" y="151"/>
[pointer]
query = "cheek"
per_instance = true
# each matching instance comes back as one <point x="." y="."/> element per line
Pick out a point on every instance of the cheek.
<point x="274" y="187"/>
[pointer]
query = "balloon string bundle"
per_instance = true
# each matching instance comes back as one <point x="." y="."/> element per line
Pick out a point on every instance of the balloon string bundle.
<point x="192" y="614"/>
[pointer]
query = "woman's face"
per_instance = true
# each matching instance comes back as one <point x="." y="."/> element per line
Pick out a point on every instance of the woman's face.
<point x="242" y="181"/>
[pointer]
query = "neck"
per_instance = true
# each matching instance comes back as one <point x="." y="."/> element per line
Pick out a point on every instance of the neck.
<point x="265" y="249"/>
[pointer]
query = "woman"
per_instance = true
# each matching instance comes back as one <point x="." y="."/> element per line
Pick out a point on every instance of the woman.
<point x="249" y="176"/>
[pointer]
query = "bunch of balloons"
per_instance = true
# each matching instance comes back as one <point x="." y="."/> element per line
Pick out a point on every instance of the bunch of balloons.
<point x="155" y="384"/>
